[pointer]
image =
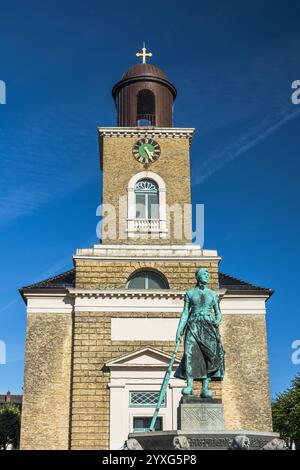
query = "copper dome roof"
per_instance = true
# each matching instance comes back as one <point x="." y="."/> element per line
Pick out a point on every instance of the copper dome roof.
<point x="143" y="73"/>
<point x="126" y="95"/>
<point x="144" y="70"/>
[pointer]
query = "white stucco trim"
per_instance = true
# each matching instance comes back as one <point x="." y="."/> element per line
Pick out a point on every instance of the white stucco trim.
<point x="127" y="300"/>
<point x="147" y="258"/>
<point x="147" y="174"/>
<point x="162" y="202"/>
<point x="43" y="302"/>
<point x="153" y="357"/>
<point x="164" y="329"/>
<point x="143" y="329"/>
<point x="137" y="132"/>
<point x="188" y="252"/>
<point x="164" y="300"/>
<point x="141" y="370"/>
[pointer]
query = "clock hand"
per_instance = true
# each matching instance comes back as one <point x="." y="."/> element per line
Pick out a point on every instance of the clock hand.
<point x="150" y="154"/>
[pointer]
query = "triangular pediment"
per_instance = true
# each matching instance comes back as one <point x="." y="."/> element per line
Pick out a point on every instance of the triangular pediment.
<point x="146" y="357"/>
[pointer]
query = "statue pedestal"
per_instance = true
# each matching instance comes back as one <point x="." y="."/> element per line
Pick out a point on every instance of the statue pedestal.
<point x="200" y="427"/>
<point x="201" y="414"/>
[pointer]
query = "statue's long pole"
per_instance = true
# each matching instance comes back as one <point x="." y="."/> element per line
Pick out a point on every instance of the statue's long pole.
<point x="163" y="388"/>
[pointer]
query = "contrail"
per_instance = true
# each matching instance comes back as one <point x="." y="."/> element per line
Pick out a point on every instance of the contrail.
<point x="269" y="125"/>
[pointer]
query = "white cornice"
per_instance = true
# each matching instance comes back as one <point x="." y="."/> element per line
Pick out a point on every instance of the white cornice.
<point x="68" y="293"/>
<point x="126" y="300"/>
<point x="126" y="293"/>
<point x="148" y="252"/>
<point x="132" y="294"/>
<point x="162" y="132"/>
<point x="148" y="258"/>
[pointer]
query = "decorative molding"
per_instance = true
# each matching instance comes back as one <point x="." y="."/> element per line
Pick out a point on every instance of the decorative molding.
<point x="204" y="416"/>
<point x="156" y="357"/>
<point x="159" y="301"/>
<point x="141" y="301"/>
<point x="188" y="247"/>
<point x="141" y="175"/>
<point x="140" y="293"/>
<point x="148" y="132"/>
<point x="142" y="370"/>
<point x="126" y="293"/>
<point x="147" y="252"/>
<point x="140" y="257"/>
<point x="161" y="226"/>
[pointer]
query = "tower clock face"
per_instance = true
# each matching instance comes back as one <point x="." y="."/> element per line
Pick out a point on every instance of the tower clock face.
<point x="146" y="151"/>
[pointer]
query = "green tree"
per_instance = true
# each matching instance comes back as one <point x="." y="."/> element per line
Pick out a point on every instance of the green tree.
<point x="10" y="423"/>
<point x="286" y="413"/>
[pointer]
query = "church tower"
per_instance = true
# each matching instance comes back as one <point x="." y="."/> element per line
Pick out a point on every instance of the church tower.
<point x="100" y="336"/>
<point x="145" y="163"/>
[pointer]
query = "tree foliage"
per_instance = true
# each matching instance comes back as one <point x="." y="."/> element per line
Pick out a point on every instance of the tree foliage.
<point x="286" y="412"/>
<point x="10" y="423"/>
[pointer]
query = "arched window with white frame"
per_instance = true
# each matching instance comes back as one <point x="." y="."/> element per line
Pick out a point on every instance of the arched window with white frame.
<point x="147" y="205"/>
<point x="146" y="200"/>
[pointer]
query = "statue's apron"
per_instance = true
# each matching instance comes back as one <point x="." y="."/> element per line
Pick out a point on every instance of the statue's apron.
<point x="203" y="351"/>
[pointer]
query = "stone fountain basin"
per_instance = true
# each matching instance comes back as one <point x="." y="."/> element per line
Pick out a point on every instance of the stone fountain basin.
<point x="201" y="440"/>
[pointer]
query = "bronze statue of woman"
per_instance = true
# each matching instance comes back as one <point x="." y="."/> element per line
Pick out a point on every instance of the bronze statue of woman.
<point x="203" y="357"/>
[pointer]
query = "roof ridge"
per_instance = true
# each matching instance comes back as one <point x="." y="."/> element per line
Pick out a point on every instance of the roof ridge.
<point x="53" y="278"/>
<point x="67" y="279"/>
<point x="244" y="282"/>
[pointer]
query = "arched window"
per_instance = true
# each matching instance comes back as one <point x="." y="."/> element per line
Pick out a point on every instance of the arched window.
<point x="146" y="280"/>
<point x="146" y="200"/>
<point x="145" y="108"/>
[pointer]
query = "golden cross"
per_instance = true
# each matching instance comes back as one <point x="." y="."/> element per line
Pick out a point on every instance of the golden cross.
<point x="144" y="54"/>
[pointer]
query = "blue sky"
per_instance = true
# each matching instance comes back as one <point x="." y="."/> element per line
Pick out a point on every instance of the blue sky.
<point x="233" y="64"/>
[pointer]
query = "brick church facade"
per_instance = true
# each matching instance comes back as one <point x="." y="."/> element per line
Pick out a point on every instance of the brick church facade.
<point x="100" y="336"/>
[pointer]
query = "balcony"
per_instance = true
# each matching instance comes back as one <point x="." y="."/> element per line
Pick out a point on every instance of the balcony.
<point x="146" y="225"/>
<point x="140" y="226"/>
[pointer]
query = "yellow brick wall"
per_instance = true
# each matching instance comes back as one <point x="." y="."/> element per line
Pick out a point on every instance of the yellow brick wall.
<point x="173" y="166"/>
<point x="246" y="392"/>
<point x="46" y="392"/>
<point x="93" y="346"/>
<point x="101" y="274"/>
<point x="51" y="421"/>
<point x="90" y="393"/>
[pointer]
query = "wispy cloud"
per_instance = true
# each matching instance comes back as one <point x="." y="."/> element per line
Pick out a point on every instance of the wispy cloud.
<point x="43" y="151"/>
<point x="56" y="268"/>
<point x="227" y="89"/>
<point x="220" y="157"/>
<point x="49" y="156"/>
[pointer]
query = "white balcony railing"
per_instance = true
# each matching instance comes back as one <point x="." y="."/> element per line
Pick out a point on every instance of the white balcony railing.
<point x="136" y="226"/>
<point x="146" y="225"/>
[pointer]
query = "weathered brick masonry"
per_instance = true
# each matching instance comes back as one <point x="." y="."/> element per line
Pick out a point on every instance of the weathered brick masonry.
<point x="46" y="391"/>
<point x="66" y="401"/>
<point x="246" y="391"/>
<point x="90" y="393"/>
<point x="66" y="356"/>
<point x="119" y="166"/>
<point x="246" y="386"/>
<point x="95" y="274"/>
